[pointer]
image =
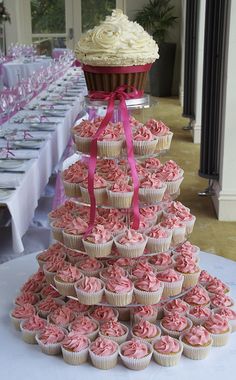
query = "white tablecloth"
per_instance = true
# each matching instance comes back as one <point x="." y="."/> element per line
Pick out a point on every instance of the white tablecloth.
<point x="24" y="199"/>
<point x="22" y="361"/>
<point x="18" y="69"/>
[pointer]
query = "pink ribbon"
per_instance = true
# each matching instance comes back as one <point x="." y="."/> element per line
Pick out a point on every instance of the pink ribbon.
<point x="121" y="95"/>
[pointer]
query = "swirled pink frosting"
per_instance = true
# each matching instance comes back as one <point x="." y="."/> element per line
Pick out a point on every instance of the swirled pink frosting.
<point x="142" y="133"/>
<point x="221" y="299"/>
<point x="48" y="304"/>
<point x="74" y="174"/>
<point x="54" y="265"/>
<point x="144" y="311"/>
<point x="106" y="166"/>
<point x="115" y="226"/>
<point x="134" y="348"/>
<point x="62" y="316"/>
<point x="119" y="285"/>
<point x="188" y="255"/>
<point x="157" y="127"/>
<point x="131" y="237"/>
<point x="186" y="248"/>
<point x="148" y="213"/>
<point x="99" y="182"/>
<point x="167" y="345"/>
<point x="49" y="291"/>
<point x="110" y="134"/>
<point x="202" y="312"/>
<point x="104" y="314"/>
<point x="63" y="221"/>
<point x="34" y="323"/>
<point x="125" y="262"/>
<point x="90" y="284"/>
<point x="85" y="129"/>
<point x="158" y="232"/>
<point x="32" y="286"/>
<point x="150" y="180"/>
<point x="170" y="171"/>
<point x="113" y="271"/>
<point x="140" y="170"/>
<point x="115" y="175"/>
<point x="76" y="227"/>
<point x="58" y="212"/>
<point x="169" y="275"/>
<point x="69" y="274"/>
<point x="197" y="296"/>
<point x="99" y="235"/>
<point x="89" y="264"/>
<point x="177" y="306"/>
<point x="151" y="163"/>
<point x="148" y="283"/>
<point x="216" y="324"/>
<point x="162" y="259"/>
<point x="38" y="276"/>
<point x="134" y="122"/>
<point x="76" y="306"/>
<point x="75" y="342"/>
<point x="184" y="264"/>
<point x="26" y="297"/>
<point x="56" y="250"/>
<point x="176" y="207"/>
<point x="23" y="311"/>
<point x="226" y="312"/>
<point x="83" y="325"/>
<point x="175" y="322"/>
<point x="197" y="336"/>
<point x="141" y="268"/>
<point x="103" y="347"/>
<point x="121" y="187"/>
<point x="51" y="334"/>
<point x="112" y="328"/>
<point x="171" y="222"/>
<point x="217" y="286"/>
<point x="205" y="277"/>
<point x="144" y="329"/>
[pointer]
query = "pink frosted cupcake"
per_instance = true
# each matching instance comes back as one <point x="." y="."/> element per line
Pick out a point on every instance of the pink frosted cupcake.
<point x="172" y="175"/>
<point x="72" y="177"/>
<point x="47" y="305"/>
<point x="219" y="328"/>
<point x="77" y="307"/>
<point x="172" y="280"/>
<point x="189" y="269"/>
<point x="30" y="327"/>
<point x="148" y="289"/>
<point x="147" y="312"/>
<point x="144" y="142"/>
<point x="115" y="331"/>
<point x="119" y="291"/>
<point x="120" y="194"/>
<point x="20" y="313"/>
<point x="152" y="164"/>
<point x="187" y="247"/>
<point x="103" y="314"/>
<point x="197" y="343"/>
<point x="112" y="271"/>
<point x="229" y="314"/>
<point x="50" y="339"/>
<point x="54" y="251"/>
<point x="26" y="297"/>
<point x="140" y="269"/>
<point x="89" y="290"/>
<point x="49" y="291"/>
<point x="66" y="278"/>
<point x="58" y="225"/>
<point x="167" y="351"/>
<point x="83" y="134"/>
<point x="162" y="261"/>
<point x="73" y="233"/>
<point x="61" y="317"/>
<point x="75" y="348"/>
<point x="176" y="306"/>
<point x="110" y="142"/>
<point x="85" y="326"/>
<point x="125" y="262"/>
<point x="136" y="354"/>
<point x="152" y="213"/>
<point x="151" y="189"/>
<point x="50" y="269"/>
<point x="216" y="286"/>
<point x="103" y="353"/>
<point x="115" y="226"/>
<point x="204" y="278"/>
<point x="159" y="239"/>
<point x="175" y="325"/>
<point x="32" y="285"/>
<point x="146" y="331"/>
<point x="197" y="296"/>
<point x="199" y="314"/>
<point x="130" y="244"/>
<point x="177" y="228"/>
<point x="74" y="256"/>
<point x="221" y="300"/>
<point x="90" y="266"/>
<point x="162" y="132"/>
<point x="98" y="242"/>
<point x="100" y="185"/>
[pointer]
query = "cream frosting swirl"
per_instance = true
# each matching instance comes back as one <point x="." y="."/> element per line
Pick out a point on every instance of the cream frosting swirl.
<point x="157" y="127"/>
<point x="197" y="336"/>
<point x="134" y="348"/>
<point x="221" y="299"/>
<point x="62" y="316"/>
<point x="131" y="237"/>
<point x="90" y="284"/>
<point x="226" y="312"/>
<point x="76" y="306"/>
<point x="202" y="312"/>
<point x="69" y="274"/>
<point x="119" y="284"/>
<point x="75" y="342"/>
<point x="144" y="329"/>
<point x="217" y="286"/>
<point x="104" y="314"/>
<point x="174" y="322"/>
<point x="197" y="296"/>
<point x="34" y="323"/>
<point x="99" y="235"/>
<point x="47" y="304"/>
<point x="148" y="283"/>
<point x="26" y="297"/>
<point x="83" y="325"/>
<point x="176" y="306"/>
<point x="103" y="347"/>
<point x="169" y="275"/>
<point x="24" y="311"/>
<point x="167" y="345"/>
<point x="216" y="324"/>
<point x="112" y="328"/>
<point x="51" y="334"/>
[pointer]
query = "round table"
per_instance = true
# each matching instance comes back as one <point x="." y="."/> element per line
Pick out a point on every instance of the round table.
<point x="19" y="360"/>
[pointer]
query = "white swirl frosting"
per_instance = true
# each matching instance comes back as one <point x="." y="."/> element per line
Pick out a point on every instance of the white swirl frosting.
<point x="117" y="42"/>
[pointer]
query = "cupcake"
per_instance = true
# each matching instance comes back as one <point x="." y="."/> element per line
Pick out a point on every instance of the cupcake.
<point x="112" y="271"/>
<point x="49" y="291"/>
<point x="204" y="278"/>
<point x="120" y="194"/>
<point x="167" y="351"/>
<point x="66" y="278"/>
<point x="90" y="266"/>
<point x="54" y="251"/>
<point x="89" y="290"/>
<point x="103" y="353"/>
<point x="199" y="314"/>
<point x="189" y="270"/>
<point x="162" y="132"/>
<point x="159" y="239"/>
<point x="162" y="261"/>
<point x="50" y="269"/>
<point x="175" y="324"/>
<point x="98" y="242"/>
<point x="176" y="306"/>
<point x="197" y="343"/>
<point x="148" y="289"/>
<point x="172" y="281"/>
<point x="74" y="256"/>
<point x="20" y="313"/>
<point x="140" y="269"/>
<point x="32" y="285"/>
<point x="30" y="327"/>
<point x="110" y="142"/>
<point x="115" y="331"/>
<point x="219" y="328"/>
<point x="172" y="175"/>
<point x="119" y="291"/>
<point x="221" y="300"/>
<point x="73" y="233"/>
<point x="147" y="312"/>
<point x="144" y="143"/>
<point x="108" y="49"/>
<point x="58" y="225"/>
<point x="146" y="331"/>
<point x="130" y="243"/>
<point x="75" y="348"/>
<point x="216" y="286"/>
<point x="77" y="307"/>
<point x="177" y="228"/>
<point x="103" y="314"/>
<point x="136" y="354"/>
<point x="72" y="177"/>
<point x="47" y="305"/>
<point x="26" y="297"/>
<point x="100" y="185"/>
<point x="50" y="339"/>
<point x="229" y="314"/>
<point x="61" y="317"/>
<point x="151" y="189"/>
<point x="197" y="296"/>
<point x="83" y="134"/>
<point x="152" y="164"/>
<point x="85" y="326"/>
<point x="188" y="248"/>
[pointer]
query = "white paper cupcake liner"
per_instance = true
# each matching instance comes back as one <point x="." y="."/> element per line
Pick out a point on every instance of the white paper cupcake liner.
<point x="27" y="335"/>
<point x="89" y="298"/>
<point x="173" y="333"/>
<point x="83" y="143"/>
<point x="172" y="288"/>
<point x="104" y="362"/>
<point x="65" y="288"/>
<point x="109" y="148"/>
<point x="147" y="340"/>
<point x="98" y="250"/>
<point x="136" y="364"/>
<point x="49" y="276"/>
<point x="49" y="349"/>
<point x="75" y="358"/>
<point x="117" y="339"/>
<point x="190" y="279"/>
<point x="57" y="233"/>
<point x="221" y="339"/>
<point x="159" y="245"/>
<point x="167" y="360"/>
<point x="15" y="321"/>
<point x="190" y="225"/>
<point x="144" y="148"/>
<point x="119" y="299"/>
<point x="173" y="186"/>
<point x="148" y="298"/>
<point x="71" y="189"/>
<point x="100" y="195"/>
<point x="132" y="251"/>
<point x="195" y="352"/>
<point x="162" y="143"/>
<point x="178" y="235"/>
<point x="72" y="241"/>
<point x="169" y="139"/>
<point x="91" y="335"/>
<point x="151" y="195"/>
<point x="119" y="199"/>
